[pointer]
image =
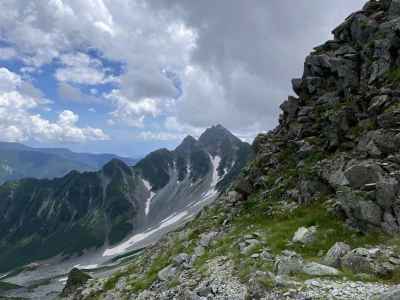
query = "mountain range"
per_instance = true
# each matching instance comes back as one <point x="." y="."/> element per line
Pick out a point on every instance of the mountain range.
<point x="42" y="218"/>
<point x="20" y="161"/>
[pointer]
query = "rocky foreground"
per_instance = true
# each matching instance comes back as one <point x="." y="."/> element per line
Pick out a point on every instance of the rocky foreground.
<point x="316" y="215"/>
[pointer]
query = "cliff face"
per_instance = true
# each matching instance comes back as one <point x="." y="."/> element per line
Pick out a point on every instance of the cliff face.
<point x="339" y="137"/>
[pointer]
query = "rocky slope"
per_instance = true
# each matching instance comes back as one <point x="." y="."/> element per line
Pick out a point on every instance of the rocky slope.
<point x="86" y="211"/>
<point x="316" y="214"/>
<point x="19" y="161"/>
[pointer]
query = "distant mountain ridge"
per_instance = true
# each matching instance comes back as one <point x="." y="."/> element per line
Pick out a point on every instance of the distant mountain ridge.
<point x="41" y="218"/>
<point x="19" y="161"/>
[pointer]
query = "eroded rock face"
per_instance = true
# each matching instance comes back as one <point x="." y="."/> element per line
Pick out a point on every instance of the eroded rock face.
<point x="342" y="130"/>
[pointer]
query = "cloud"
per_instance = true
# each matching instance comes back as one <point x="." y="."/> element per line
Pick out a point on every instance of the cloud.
<point x="18" y="122"/>
<point x="130" y="32"/>
<point x="80" y="68"/>
<point x="245" y="56"/>
<point x="7" y="53"/>
<point x="68" y="92"/>
<point x="132" y="112"/>
<point x="232" y="60"/>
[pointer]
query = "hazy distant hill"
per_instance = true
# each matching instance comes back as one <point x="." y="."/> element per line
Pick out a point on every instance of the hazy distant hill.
<point x="20" y="161"/>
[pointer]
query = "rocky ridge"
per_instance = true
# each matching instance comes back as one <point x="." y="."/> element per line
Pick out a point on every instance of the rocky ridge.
<point x="316" y="214"/>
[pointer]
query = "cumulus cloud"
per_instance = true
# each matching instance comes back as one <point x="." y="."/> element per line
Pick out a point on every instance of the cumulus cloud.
<point x="18" y="122"/>
<point x="80" y="68"/>
<point x="231" y="60"/>
<point x="132" y="112"/>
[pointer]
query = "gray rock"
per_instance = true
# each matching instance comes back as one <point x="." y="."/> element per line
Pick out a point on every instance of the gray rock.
<point x="394" y="9"/>
<point x="206" y="238"/>
<point x="392" y="294"/>
<point x="305" y="235"/>
<point x="389" y="120"/>
<point x="296" y="85"/>
<point x="199" y="251"/>
<point x="334" y="254"/>
<point x="315" y="269"/>
<point x="363" y="173"/>
<point x="358" y="261"/>
<point x="379" y="103"/>
<point x="290" y="107"/>
<point x="386" y="192"/>
<point x="288" y="263"/>
<point x="181" y="259"/>
<point x="248" y="246"/>
<point x="234" y="197"/>
<point x="167" y="273"/>
<point x="358" y="208"/>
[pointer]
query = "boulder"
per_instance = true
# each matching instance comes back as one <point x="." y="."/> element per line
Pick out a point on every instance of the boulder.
<point x="386" y="192"/>
<point x="362" y="173"/>
<point x="248" y="245"/>
<point x="76" y="279"/>
<point x="315" y="269"/>
<point x="358" y="261"/>
<point x="305" y="235"/>
<point x="288" y="263"/>
<point x="333" y="256"/>
<point x="167" y="273"/>
<point x="389" y="120"/>
<point x="234" y="197"/>
<point x="181" y="259"/>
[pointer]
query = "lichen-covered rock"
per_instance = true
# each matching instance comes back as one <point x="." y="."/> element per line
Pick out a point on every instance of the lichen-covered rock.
<point x="305" y="235"/>
<point x="167" y="273"/>
<point x="358" y="261"/>
<point x="288" y="263"/>
<point x="333" y="256"/>
<point x="316" y="269"/>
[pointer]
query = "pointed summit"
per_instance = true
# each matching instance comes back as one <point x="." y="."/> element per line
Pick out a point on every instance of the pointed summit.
<point x="213" y="139"/>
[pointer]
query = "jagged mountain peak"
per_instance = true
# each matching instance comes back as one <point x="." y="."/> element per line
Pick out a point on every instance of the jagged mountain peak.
<point x="217" y="139"/>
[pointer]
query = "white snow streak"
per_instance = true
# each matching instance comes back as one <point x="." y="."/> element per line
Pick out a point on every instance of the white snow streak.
<point x="148" y="200"/>
<point x="141" y="236"/>
<point x="86" y="267"/>
<point x="215" y="162"/>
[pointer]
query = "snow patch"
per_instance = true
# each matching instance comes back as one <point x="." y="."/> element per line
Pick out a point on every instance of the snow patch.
<point x="64" y="279"/>
<point x="86" y="267"/>
<point x="148" y="200"/>
<point x="215" y="163"/>
<point x="141" y="236"/>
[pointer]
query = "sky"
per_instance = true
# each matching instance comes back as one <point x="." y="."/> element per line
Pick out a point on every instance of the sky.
<point x="131" y="76"/>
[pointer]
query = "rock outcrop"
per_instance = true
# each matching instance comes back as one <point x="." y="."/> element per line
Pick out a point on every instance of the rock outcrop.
<point x="341" y="133"/>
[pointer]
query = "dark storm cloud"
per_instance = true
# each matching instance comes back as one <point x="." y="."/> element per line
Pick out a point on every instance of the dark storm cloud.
<point x="252" y="49"/>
